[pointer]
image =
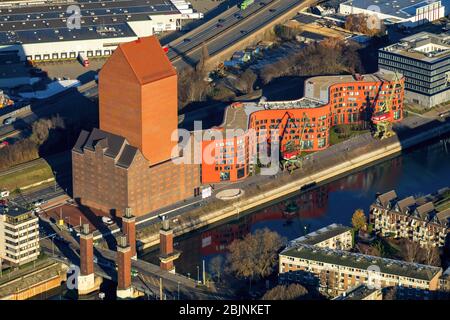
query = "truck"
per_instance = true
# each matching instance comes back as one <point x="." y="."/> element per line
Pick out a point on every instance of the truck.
<point x="83" y="59"/>
<point x="245" y="4"/>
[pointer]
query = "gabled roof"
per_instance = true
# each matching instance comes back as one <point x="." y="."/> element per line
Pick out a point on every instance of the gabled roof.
<point x="147" y="59"/>
<point x="387" y="197"/>
<point x="112" y="145"/>
<point x="444" y="217"/>
<point x="424" y="210"/>
<point x="404" y="204"/>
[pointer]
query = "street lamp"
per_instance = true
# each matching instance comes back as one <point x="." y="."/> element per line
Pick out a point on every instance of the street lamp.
<point x="198" y="274"/>
<point x="54" y="174"/>
<point x="178" y="290"/>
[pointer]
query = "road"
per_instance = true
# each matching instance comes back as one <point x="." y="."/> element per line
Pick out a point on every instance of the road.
<point x="234" y="26"/>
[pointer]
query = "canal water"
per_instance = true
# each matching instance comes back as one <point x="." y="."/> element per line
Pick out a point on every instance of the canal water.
<point x="419" y="171"/>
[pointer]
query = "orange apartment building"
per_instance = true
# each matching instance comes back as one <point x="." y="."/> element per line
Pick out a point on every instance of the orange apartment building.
<point x="306" y="123"/>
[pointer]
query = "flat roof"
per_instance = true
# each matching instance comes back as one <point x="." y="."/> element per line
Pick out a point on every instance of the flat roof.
<point x="99" y="19"/>
<point x="237" y="115"/>
<point x="321" y="235"/>
<point x="397" y="8"/>
<point x="361" y="261"/>
<point x="323" y="83"/>
<point x="13" y="210"/>
<point x="423" y="46"/>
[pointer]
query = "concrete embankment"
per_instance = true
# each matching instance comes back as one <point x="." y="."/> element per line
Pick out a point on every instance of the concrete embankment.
<point x="381" y="150"/>
<point x="30" y="284"/>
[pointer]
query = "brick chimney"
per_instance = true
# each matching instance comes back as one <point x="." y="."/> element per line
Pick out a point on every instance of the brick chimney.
<point x="86" y="279"/>
<point x="124" y="289"/>
<point x="167" y="254"/>
<point x="129" y="230"/>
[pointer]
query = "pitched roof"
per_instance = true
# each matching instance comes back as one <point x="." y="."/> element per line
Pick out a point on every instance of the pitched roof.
<point x="405" y="203"/>
<point x="147" y="59"/>
<point x="113" y="146"/>
<point x="385" y="198"/>
<point x="444" y="216"/>
<point x="425" y="209"/>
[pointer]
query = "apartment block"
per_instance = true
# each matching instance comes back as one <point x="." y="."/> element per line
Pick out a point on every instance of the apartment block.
<point x="425" y="220"/>
<point x="333" y="271"/>
<point x="19" y="235"/>
<point x="334" y="236"/>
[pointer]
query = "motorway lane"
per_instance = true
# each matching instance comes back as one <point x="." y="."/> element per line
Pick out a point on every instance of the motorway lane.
<point x="218" y="39"/>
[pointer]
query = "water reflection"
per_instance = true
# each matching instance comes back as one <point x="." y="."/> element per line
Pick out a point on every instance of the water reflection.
<point x="422" y="170"/>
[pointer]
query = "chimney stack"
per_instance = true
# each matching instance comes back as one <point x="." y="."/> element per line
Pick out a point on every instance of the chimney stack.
<point x="167" y="254"/>
<point x="129" y="230"/>
<point x="124" y="289"/>
<point x="86" y="279"/>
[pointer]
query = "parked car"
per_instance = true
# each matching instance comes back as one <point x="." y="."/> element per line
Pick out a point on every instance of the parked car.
<point x="9" y="120"/>
<point x="107" y="221"/>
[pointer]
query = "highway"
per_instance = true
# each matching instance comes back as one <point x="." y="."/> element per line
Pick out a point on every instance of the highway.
<point x="235" y="25"/>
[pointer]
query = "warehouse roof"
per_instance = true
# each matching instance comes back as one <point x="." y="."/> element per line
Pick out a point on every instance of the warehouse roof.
<point x="361" y="261"/>
<point x="49" y="22"/>
<point x="399" y="8"/>
<point x="147" y="59"/>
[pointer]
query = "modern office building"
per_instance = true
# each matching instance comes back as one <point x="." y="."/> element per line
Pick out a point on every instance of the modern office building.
<point x="129" y="161"/>
<point x="333" y="272"/>
<point x="424" y="220"/>
<point x="59" y="30"/>
<point x="229" y="150"/>
<point x="19" y="235"/>
<point x="409" y="13"/>
<point x="424" y="60"/>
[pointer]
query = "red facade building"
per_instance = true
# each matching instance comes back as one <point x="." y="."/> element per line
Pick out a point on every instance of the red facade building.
<point x="304" y="123"/>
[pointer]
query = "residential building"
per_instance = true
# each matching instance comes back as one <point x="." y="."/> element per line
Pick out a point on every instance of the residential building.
<point x="425" y="220"/>
<point x="424" y="60"/>
<point x="361" y="292"/>
<point x="409" y="13"/>
<point x="333" y="271"/>
<point x="334" y="236"/>
<point x="304" y="123"/>
<point x="19" y="235"/>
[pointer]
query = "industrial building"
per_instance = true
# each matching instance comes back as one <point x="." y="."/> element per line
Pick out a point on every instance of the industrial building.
<point x="302" y="124"/>
<point x="408" y="13"/>
<point x="128" y="162"/>
<point x="19" y="235"/>
<point x="45" y="31"/>
<point x="424" y="60"/>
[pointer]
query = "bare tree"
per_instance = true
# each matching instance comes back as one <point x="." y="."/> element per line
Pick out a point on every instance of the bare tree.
<point x="247" y="80"/>
<point x="294" y="291"/>
<point x="412" y="251"/>
<point x="216" y="266"/>
<point x="431" y="256"/>
<point x="390" y="293"/>
<point x="200" y="67"/>
<point x="256" y="255"/>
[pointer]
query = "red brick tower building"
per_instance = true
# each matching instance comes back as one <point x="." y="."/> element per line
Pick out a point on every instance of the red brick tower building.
<point x="129" y="230"/>
<point x="167" y="254"/>
<point x="139" y="99"/>
<point x="124" y="289"/>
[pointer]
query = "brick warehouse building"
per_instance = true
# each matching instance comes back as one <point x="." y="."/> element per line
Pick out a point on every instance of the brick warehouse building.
<point x="328" y="101"/>
<point x="128" y="161"/>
